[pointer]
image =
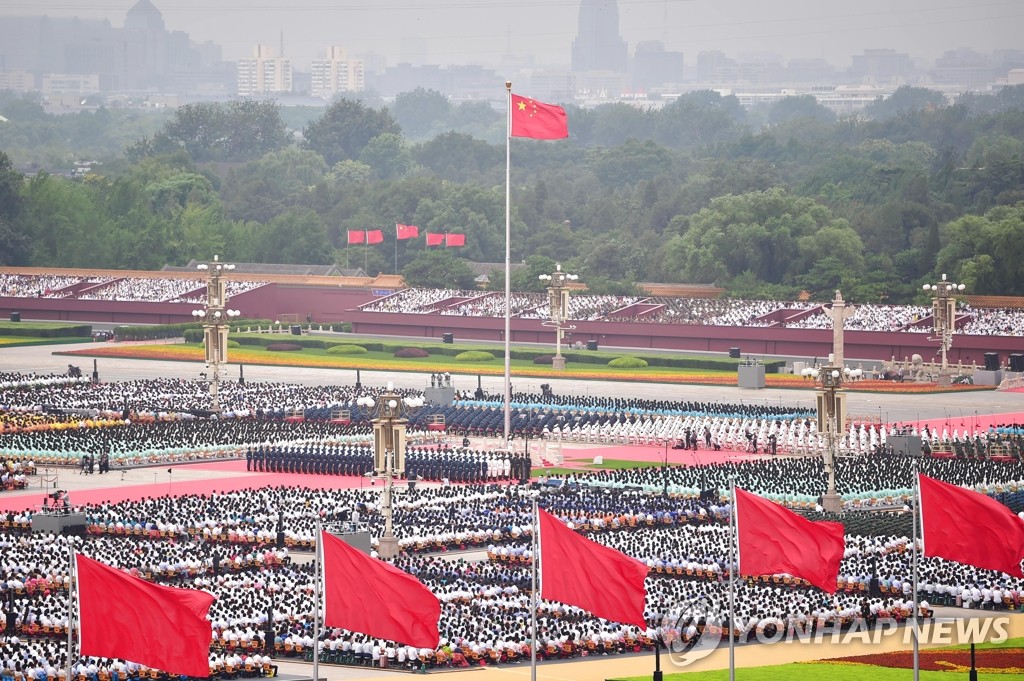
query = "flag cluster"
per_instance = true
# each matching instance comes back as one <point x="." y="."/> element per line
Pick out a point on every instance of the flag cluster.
<point x="404" y="232"/>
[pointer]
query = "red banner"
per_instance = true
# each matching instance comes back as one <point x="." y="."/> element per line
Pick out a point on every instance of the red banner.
<point x="435" y="239"/>
<point x="356" y="236"/>
<point x="374" y="236"/>
<point x="454" y="240"/>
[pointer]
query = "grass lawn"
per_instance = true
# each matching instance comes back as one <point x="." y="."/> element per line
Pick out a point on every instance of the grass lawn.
<point x="818" y="672"/>
<point x="608" y="465"/>
<point x="385" y="361"/>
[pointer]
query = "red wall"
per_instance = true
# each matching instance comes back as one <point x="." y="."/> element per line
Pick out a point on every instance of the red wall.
<point x="331" y="304"/>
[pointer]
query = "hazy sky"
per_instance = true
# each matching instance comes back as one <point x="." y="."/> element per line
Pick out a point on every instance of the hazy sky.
<point x="481" y="31"/>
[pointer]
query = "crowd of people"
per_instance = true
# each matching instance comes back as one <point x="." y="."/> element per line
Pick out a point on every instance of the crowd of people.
<point x="240" y="545"/>
<point x="702" y="311"/>
<point x="108" y="288"/>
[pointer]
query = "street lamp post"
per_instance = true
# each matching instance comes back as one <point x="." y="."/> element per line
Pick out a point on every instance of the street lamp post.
<point x="215" y="317"/>
<point x="944" y="319"/>
<point x="558" y="301"/>
<point x="831" y="402"/>
<point x="389" y="424"/>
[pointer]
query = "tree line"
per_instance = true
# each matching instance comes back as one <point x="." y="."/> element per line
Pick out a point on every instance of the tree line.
<point x="765" y="202"/>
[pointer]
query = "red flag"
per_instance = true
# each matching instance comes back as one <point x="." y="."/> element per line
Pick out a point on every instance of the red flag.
<point x="159" y="626"/>
<point x="374" y="236"/>
<point x="967" y="527"/>
<point x="537" y="120"/>
<point x="435" y="239"/>
<point x="578" y="571"/>
<point x="356" y="236"/>
<point x="406" y="231"/>
<point x="369" y="596"/>
<point x="773" y="540"/>
<point x="454" y="240"/>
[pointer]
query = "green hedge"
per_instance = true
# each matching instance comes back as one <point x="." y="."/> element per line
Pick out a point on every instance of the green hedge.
<point x="182" y="330"/>
<point x="45" y="330"/>
<point x="474" y="356"/>
<point x="627" y="363"/>
<point x="529" y="354"/>
<point x="346" y="350"/>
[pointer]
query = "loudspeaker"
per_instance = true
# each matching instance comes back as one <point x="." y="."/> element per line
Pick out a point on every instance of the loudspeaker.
<point x="734" y="353"/>
<point x="448" y="338"/>
<point x="15" y="316"/>
<point x="991" y="361"/>
<point x="591" y="345"/>
<point x="296" y="330"/>
<point x="1017" y="362"/>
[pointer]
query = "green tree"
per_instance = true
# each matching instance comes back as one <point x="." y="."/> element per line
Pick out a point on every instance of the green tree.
<point x="346" y="128"/>
<point x="388" y="155"/>
<point x="986" y="252"/>
<point x="16" y="242"/>
<point x="439" y="269"/>
<point x="421" y="113"/>
<point x="905" y="100"/>
<point x="799" y="109"/>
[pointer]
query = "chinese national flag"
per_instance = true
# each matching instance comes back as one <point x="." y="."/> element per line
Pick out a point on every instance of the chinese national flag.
<point x="369" y="596"/>
<point x="356" y="236"/>
<point x="968" y="527"/>
<point x="374" y="236"/>
<point x="158" y="626"/>
<point x="773" y="540"/>
<point x="578" y="571"/>
<point x="435" y="239"/>
<point x="454" y="240"/>
<point x="406" y="231"/>
<point x="537" y="120"/>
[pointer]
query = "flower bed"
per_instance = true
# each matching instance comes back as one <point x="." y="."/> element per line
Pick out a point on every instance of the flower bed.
<point x="987" y="660"/>
<point x="245" y="355"/>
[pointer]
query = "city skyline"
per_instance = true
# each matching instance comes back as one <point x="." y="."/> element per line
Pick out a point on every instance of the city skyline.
<point x="542" y="33"/>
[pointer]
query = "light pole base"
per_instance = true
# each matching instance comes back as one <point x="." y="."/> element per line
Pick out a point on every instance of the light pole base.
<point x="945" y="378"/>
<point x="387" y="547"/>
<point x="558" y="363"/>
<point x="832" y="503"/>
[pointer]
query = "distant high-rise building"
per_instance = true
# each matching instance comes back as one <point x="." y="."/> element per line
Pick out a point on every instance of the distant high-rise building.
<point x="598" y="45"/>
<point x="654" y="67"/>
<point x="337" y="73"/>
<point x="882" y="67"/>
<point x="264" y="73"/>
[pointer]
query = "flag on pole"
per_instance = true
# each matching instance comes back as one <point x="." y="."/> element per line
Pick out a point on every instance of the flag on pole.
<point x="406" y="231"/>
<point x="369" y="596"/>
<point x="578" y="571"/>
<point x="454" y="240"/>
<point x="968" y="527"/>
<point x="356" y="236"/>
<point x="537" y="120"/>
<point x="159" y="626"/>
<point x="435" y="239"/>
<point x="374" y="236"/>
<point x="773" y="540"/>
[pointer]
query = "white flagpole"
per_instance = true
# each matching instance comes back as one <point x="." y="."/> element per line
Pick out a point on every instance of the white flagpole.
<point x="916" y="624"/>
<point x="317" y="583"/>
<point x="508" y="258"/>
<point x="72" y="597"/>
<point x="535" y="544"/>
<point x="733" y="568"/>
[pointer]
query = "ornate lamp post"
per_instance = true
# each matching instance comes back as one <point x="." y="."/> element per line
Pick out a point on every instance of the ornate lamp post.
<point x="558" y="301"/>
<point x="389" y="423"/>
<point x="215" y="318"/>
<point x="831" y="421"/>
<point x="944" y="317"/>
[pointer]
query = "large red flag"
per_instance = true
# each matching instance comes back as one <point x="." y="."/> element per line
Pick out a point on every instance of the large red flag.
<point x="374" y="236"/>
<point x="537" y="120"/>
<point x="578" y="571"/>
<point x="774" y="540"/>
<point x="356" y="236"/>
<point x="406" y="231"/>
<point x="159" y="626"/>
<point x="435" y="239"/>
<point x="369" y="596"/>
<point x="967" y="527"/>
<point x="454" y="240"/>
